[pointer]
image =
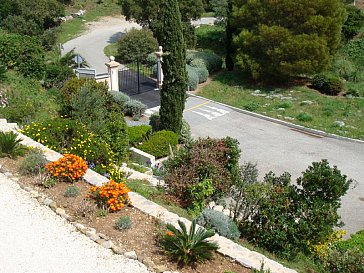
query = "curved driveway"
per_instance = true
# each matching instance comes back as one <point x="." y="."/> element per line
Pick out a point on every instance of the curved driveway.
<point x="274" y="147"/>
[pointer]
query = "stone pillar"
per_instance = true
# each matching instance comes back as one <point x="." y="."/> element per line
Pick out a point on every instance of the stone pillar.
<point x="159" y="55"/>
<point x="113" y="70"/>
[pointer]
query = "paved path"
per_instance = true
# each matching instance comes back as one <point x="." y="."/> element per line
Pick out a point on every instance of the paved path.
<point x="33" y="239"/>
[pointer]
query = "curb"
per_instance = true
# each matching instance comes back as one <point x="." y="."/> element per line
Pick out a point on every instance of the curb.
<point x="281" y="122"/>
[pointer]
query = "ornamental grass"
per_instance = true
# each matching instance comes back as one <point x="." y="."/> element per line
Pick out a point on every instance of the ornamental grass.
<point x="111" y="196"/>
<point x="69" y="167"/>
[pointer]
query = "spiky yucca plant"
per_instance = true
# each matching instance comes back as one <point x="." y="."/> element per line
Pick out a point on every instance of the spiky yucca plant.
<point x="10" y="145"/>
<point x="188" y="247"/>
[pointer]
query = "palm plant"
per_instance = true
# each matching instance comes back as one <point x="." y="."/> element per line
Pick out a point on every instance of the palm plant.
<point x="188" y="247"/>
<point x="10" y="144"/>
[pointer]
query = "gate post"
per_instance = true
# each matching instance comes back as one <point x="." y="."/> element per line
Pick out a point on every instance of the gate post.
<point x="113" y="70"/>
<point x="159" y="55"/>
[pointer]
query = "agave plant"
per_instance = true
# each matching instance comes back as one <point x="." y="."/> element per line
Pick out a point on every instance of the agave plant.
<point x="10" y="144"/>
<point x="188" y="247"/>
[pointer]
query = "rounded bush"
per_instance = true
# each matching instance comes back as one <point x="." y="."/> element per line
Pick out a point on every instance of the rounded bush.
<point x="124" y="222"/>
<point x="192" y="77"/>
<point x="219" y="222"/>
<point x="212" y="61"/>
<point x="71" y="191"/>
<point x="155" y="121"/>
<point x="304" y="117"/>
<point x="159" y="143"/>
<point x="197" y="63"/>
<point x="202" y="73"/>
<point x="120" y="98"/>
<point x="32" y="163"/>
<point x="134" y="108"/>
<point x="327" y="84"/>
<point x="139" y="133"/>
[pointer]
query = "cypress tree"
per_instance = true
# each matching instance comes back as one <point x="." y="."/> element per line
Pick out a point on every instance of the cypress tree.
<point x="229" y="39"/>
<point x="173" y="92"/>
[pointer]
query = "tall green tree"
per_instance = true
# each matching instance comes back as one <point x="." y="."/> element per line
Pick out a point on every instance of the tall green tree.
<point x="173" y="93"/>
<point x="148" y="13"/>
<point x="286" y="38"/>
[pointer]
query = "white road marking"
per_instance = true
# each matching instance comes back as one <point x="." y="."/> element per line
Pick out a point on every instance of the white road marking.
<point x="209" y="114"/>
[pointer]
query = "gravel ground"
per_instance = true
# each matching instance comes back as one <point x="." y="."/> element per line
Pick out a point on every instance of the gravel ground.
<point x="34" y="239"/>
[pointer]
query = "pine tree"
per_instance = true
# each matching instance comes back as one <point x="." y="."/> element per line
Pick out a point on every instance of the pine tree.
<point x="173" y="93"/>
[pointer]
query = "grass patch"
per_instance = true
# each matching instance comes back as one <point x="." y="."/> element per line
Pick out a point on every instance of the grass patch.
<point x="208" y="14"/>
<point x="111" y="50"/>
<point x="94" y="10"/>
<point x="289" y="102"/>
<point x="158" y="196"/>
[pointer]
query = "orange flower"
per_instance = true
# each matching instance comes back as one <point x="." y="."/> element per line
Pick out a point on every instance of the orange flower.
<point x="170" y="233"/>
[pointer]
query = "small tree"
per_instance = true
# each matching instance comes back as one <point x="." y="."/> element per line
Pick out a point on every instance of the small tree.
<point x="135" y="45"/>
<point x="173" y="93"/>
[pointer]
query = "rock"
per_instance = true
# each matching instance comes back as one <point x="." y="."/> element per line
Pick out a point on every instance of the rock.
<point x="103" y="236"/>
<point x="100" y="241"/>
<point x="305" y="102"/>
<point x="53" y="205"/>
<point x="148" y="263"/>
<point x="281" y="109"/>
<point x="79" y="226"/>
<point x="117" y="250"/>
<point x="141" y="257"/>
<point x="47" y="201"/>
<point x="94" y="237"/>
<point x="107" y="244"/>
<point x="89" y="234"/>
<point x="34" y="194"/>
<point x="288" y="118"/>
<point x="40" y="199"/>
<point x="160" y="268"/>
<point x="60" y="211"/>
<point x="28" y="189"/>
<point x="339" y="123"/>
<point x="7" y="174"/>
<point x="16" y="179"/>
<point x="131" y="255"/>
<point x="92" y="231"/>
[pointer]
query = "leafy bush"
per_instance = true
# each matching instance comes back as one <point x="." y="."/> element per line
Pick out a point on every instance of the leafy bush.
<point x="111" y="196"/>
<point x="139" y="133"/>
<point x="69" y="167"/>
<point x="49" y="182"/>
<point x="155" y="122"/>
<point x="33" y="162"/>
<point x="124" y="222"/>
<point x="120" y="98"/>
<point x="343" y="261"/>
<point x="55" y="75"/>
<point x="192" y="77"/>
<point x="353" y="23"/>
<point x="220" y="223"/>
<point x="2" y="72"/>
<point x="289" y="218"/>
<point x="211" y="37"/>
<point x="188" y="247"/>
<point x="304" y="117"/>
<point x="214" y="159"/>
<point x="134" y="108"/>
<point x="10" y="145"/>
<point x="22" y="53"/>
<point x="159" y="143"/>
<point x="356" y="240"/>
<point x="136" y="45"/>
<point x="71" y="191"/>
<point x="185" y="134"/>
<point x="212" y="61"/>
<point x="201" y="70"/>
<point x="327" y="84"/>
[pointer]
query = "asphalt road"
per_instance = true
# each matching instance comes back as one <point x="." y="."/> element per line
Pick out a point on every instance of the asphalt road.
<point x="273" y="147"/>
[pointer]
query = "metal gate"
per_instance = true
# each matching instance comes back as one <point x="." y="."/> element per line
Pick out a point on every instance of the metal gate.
<point x="136" y="78"/>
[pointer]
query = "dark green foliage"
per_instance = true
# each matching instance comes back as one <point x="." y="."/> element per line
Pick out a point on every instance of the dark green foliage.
<point x="220" y="223"/>
<point x="356" y="240"/>
<point x="22" y="53"/>
<point x="136" y="45"/>
<point x="134" y="108"/>
<point x="173" y="92"/>
<point x="188" y="247"/>
<point x="212" y="61"/>
<point x="212" y="38"/>
<point x="71" y="191"/>
<point x="343" y="261"/>
<point x="353" y="23"/>
<point x="124" y="222"/>
<point x="354" y="50"/>
<point x="214" y="159"/>
<point x="160" y="143"/>
<point x="192" y="77"/>
<point x="138" y="134"/>
<point x="19" y="25"/>
<point x="328" y="84"/>
<point x="304" y="117"/>
<point x="10" y="145"/>
<point x="281" y="39"/>
<point x="2" y="72"/>
<point x="220" y="7"/>
<point x="32" y="163"/>
<point x="287" y="217"/>
<point x="55" y="75"/>
<point x="155" y="122"/>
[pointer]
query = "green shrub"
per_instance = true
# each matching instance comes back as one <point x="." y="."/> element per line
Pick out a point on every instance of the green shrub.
<point x="32" y="163"/>
<point x="220" y="223"/>
<point x="155" y="122"/>
<point x="10" y="145"/>
<point x="188" y="247"/>
<point x="2" y="72"/>
<point x="185" y="134"/>
<point x="159" y="143"/>
<point x="134" y="108"/>
<point x="192" y="77"/>
<point x="215" y="159"/>
<point x="139" y="133"/>
<point x="22" y="53"/>
<point x="212" y="61"/>
<point x="71" y="191"/>
<point x="343" y="261"/>
<point x="304" y="117"/>
<point x="120" y="98"/>
<point x="197" y="63"/>
<point x="49" y="182"/>
<point x="124" y="222"/>
<point x="211" y="37"/>
<point x="356" y="240"/>
<point x="327" y="84"/>
<point x="55" y="75"/>
<point x="136" y="45"/>
<point x="353" y="23"/>
<point x="203" y="74"/>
